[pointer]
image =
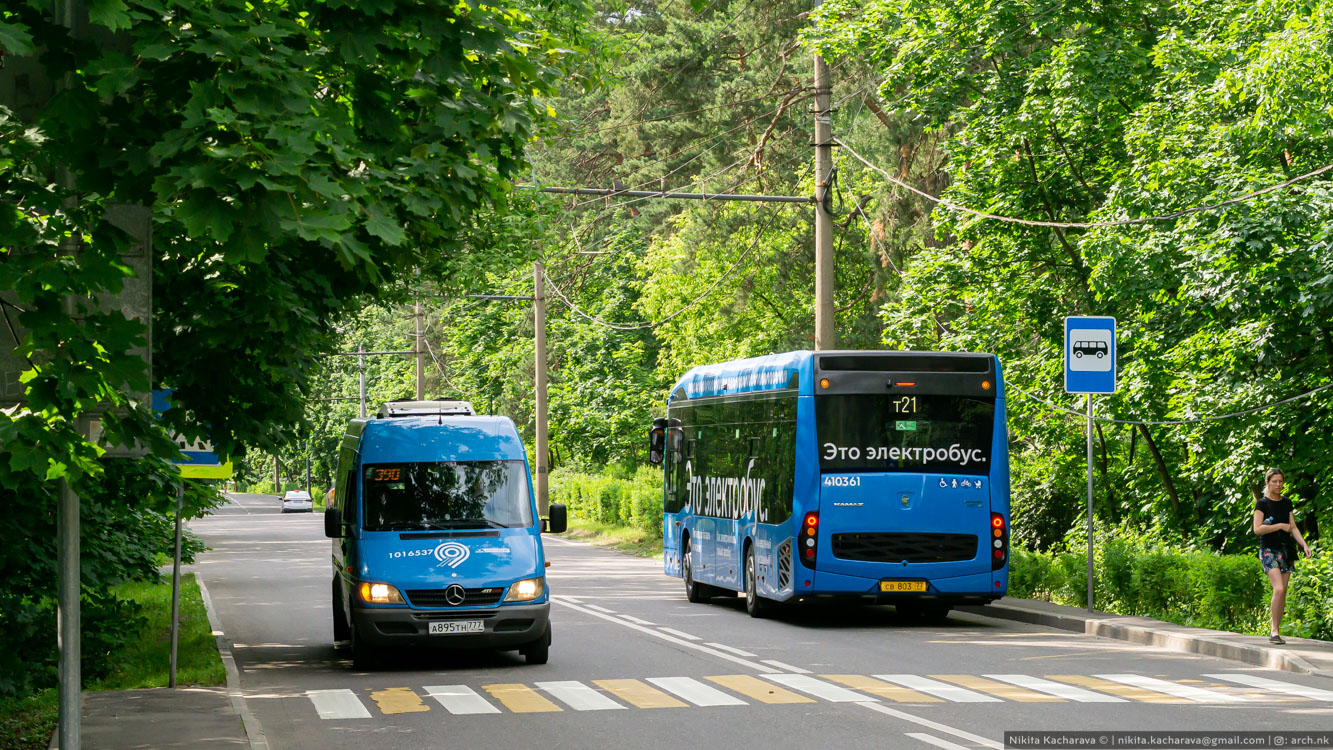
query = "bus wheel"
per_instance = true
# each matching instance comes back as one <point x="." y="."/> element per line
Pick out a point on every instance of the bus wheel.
<point x="694" y="591"/>
<point x="755" y="604"/>
<point x="364" y="655"/>
<point x="539" y="651"/>
<point x="340" y="629"/>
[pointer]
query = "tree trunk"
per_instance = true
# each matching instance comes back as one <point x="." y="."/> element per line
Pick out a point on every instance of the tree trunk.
<point x="1161" y="468"/>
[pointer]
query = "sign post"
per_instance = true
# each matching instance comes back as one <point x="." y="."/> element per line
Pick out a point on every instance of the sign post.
<point x="1090" y="367"/>
<point x="200" y="463"/>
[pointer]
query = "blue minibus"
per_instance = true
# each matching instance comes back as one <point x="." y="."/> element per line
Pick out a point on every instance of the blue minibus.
<point x="878" y="475"/>
<point x="436" y="537"/>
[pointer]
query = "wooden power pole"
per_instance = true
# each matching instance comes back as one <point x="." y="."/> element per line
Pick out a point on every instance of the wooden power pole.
<point x="824" y="335"/>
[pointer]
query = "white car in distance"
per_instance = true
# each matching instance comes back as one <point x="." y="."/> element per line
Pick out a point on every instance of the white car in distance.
<point x="297" y="501"/>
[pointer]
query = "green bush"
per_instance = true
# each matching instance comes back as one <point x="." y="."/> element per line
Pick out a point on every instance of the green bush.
<point x="611" y="497"/>
<point x="1200" y="589"/>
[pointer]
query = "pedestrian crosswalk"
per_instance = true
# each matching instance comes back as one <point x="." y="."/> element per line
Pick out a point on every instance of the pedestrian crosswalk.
<point x="739" y="690"/>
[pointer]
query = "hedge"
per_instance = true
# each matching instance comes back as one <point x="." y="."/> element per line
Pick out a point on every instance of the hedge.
<point x="1199" y="589"/>
<point x="612" y="497"/>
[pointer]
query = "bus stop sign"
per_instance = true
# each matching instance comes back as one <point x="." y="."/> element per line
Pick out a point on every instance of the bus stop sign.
<point x="1090" y="355"/>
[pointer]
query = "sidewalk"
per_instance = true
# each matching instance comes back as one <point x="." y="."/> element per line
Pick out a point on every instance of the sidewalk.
<point x="1298" y="655"/>
<point x="208" y="718"/>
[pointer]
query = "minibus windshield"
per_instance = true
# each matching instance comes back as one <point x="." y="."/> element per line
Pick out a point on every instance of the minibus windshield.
<point x="446" y="495"/>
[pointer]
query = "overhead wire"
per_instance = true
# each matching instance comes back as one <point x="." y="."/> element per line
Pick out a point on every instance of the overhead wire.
<point x="1167" y="422"/>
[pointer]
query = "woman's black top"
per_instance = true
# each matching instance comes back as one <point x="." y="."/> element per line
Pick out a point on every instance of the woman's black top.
<point x="1274" y="511"/>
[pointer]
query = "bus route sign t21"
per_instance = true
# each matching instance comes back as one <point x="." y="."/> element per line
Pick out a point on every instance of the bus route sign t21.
<point x="1090" y="355"/>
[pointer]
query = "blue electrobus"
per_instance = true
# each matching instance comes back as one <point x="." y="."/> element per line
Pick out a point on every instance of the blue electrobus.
<point x="882" y="475"/>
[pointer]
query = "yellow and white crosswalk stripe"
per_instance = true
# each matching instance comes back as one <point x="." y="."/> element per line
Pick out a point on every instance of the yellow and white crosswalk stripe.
<point x="753" y="687"/>
<point x="398" y="701"/>
<point x="1275" y="686"/>
<point x="992" y="685"/>
<point x="939" y="689"/>
<point x="794" y="689"/>
<point x="578" y="696"/>
<point x="881" y="689"/>
<point x="520" y="698"/>
<point x="1114" y="688"/>
<point x="639" y="694"/>
<point x="1189" y="692"/>
<point x="696" y="692"/>
<point x="460" y="700"/>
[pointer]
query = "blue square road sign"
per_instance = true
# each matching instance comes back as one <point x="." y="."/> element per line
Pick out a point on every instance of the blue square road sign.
<point x="1090" y="355"/>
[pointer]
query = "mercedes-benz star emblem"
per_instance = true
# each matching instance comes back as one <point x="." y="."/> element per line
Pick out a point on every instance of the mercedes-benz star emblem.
<point x="454" y="595"/>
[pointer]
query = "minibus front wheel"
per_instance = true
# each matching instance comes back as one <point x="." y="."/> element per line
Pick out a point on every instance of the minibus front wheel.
<point x="539" y="651"/>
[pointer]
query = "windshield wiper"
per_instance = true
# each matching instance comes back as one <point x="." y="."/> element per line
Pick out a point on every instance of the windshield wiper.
<point x="468" y="523"/>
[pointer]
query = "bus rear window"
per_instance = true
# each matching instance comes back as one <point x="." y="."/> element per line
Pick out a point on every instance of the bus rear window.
<point x="897" y="432"/>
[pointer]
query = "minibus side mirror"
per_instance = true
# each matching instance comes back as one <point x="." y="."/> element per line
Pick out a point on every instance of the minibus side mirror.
<point x="558" y="521"/>
<point x="657" y="441"/>
<point x="333" y="523"/>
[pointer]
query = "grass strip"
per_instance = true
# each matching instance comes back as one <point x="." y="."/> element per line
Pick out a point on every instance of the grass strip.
<point x="27" y="723"/>
<point x="625" y="539"/>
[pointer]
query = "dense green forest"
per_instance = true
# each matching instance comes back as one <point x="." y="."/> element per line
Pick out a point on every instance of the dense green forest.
<point x="316" y="168"/>
<point x="1106" y="120"/>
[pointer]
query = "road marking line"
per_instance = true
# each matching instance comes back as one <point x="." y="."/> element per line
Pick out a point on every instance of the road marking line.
<point x="460" y="699"/>
<point x="638" y="694"/>
<point x="679" y="634"/>
<point x="935" y="687"/>
<point x="696" y="692"/>
<point x="1198" y="695"/>
<point x="880" y="707"/>
<point x="636" y="620"/>
<point x="658" y="634"/>
<point x="818" y="688"/>
<point x="733" y="650"/>
<point x="600" y="609"/>
<point x="785" y="667"/>
<point x="574" y="599"/>
<point x="1007" y="691"/>
<point x="337" y="704"/>
<point x="1264" y="683"/>
<point x="1115" y="688"/>
<point x="580" y="697"/>
<point x="398" y="701"/>
<point x="521" y="699"/>
<point x="936" y="741"/>
<point x="882" y="689"/>
<point x="758" y="689"/>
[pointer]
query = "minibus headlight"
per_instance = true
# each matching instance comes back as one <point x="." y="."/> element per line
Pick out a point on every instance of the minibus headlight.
<point x="380" y="593"/>
<point x="526" y="590"/>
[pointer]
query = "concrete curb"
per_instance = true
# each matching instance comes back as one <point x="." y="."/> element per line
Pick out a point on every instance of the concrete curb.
<point x="253" y="731"/>
<point x="1148" y="632"/>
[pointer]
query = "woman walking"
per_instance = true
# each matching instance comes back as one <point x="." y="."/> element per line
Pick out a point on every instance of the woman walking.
<point x="1278" y="536"/>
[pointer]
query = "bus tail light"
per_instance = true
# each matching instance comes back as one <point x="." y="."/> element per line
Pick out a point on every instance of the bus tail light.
<point x="999" y="541"/>
<point x="808" y="542"/>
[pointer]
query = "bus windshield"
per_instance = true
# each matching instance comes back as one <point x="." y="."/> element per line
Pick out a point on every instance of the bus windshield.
<point x="446" y="495"/>
<point x="899" y="432"/>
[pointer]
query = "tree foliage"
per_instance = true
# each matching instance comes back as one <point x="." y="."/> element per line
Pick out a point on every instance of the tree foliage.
<point x="299" y="158"/>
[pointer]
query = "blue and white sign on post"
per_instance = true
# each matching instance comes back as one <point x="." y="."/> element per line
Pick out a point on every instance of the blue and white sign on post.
<point x="200" y="460"/>
<point x="1090" y="355"/>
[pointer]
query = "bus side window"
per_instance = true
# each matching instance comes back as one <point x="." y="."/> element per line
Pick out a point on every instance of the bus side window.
<point x="349" y="499"/>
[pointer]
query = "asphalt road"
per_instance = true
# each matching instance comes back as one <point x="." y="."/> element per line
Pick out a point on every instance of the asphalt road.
<point x="635" y="665"/>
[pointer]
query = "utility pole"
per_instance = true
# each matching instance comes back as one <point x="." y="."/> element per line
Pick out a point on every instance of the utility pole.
<point x="539" y="364"/>
<point x="824" y="337"/>
<point x="420" y="349"/>
<point x="277" y="486"/>
<point x="361" y="360"/>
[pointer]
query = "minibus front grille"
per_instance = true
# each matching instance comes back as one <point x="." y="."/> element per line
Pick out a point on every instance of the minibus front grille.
<point x="893" y="547"/>
<point x="471" y="597"/>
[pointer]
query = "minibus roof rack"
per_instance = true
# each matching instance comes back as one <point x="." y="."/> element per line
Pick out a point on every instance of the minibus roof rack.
<point x="414" y="408"/>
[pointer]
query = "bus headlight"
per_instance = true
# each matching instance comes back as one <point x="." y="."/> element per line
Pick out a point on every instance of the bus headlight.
<point x="526" y="590"/>
<point x="380" y="593"/>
